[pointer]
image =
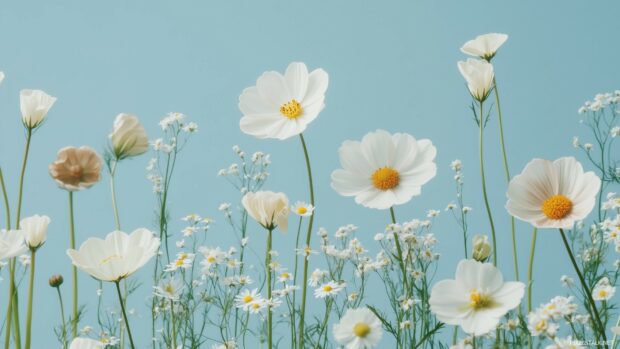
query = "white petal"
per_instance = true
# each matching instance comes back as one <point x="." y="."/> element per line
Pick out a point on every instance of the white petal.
<point x="296" y="78"/>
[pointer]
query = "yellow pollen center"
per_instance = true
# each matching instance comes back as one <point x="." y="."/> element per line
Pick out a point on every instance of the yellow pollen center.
<point x="602" y="293"/>
<point x="385" y="178"/>
<point x="557" y="207"/>
<point x="179" y="262"/>
<point x="255" y="306"/>
<point x="327" y="288"/>
<point x="541" y="325"/>
<point x="291" y="109"/>
<point x="302" y="210"/>
<point x="478" y="300"/>
<point x="169" y="289"/>
<point x="247" y="299"/>
<point x="361" y="329"/>
<point x="211" y="259"/>
<point x="284" y="275"/>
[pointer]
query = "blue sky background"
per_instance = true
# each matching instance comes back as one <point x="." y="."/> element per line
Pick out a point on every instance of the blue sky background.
<point x="392" y="65"/>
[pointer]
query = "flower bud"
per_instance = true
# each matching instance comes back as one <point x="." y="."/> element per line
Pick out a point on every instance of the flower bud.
<point x="34" y="105"/>
<point x="35" y="230"/>
<point x="128" y="137"/>
<point x="479" y="76"/>
<point x="482" y="248"/>
<point x="56" y="280"/>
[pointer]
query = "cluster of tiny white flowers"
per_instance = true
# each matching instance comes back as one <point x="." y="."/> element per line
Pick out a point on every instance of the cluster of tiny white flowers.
<point x="250" y="174"/>
<point x="544" y="321"/>
<point x="600" y="101"/>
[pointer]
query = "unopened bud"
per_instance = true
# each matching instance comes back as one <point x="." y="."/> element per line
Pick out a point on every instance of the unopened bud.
<point x="56" y="280"/>
<point x="482" y="248"/>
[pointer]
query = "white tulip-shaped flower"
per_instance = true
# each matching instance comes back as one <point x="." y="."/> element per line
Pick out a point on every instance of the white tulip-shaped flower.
<point x="116" y="257"/>
<point x="86" y="343"/>
<point x="479" y="76"/>
<point x="35" y="230"/>
<point x="477" y="299"/>
<point x="34" y="106"/>
<point x="128" y="137"/>
<point x="12" y="244"/>
<point x="358" y="329"/>
<point x="282" y="106"/>
<point x="269" y="209"/>
<point x="484" y="46"/>
<point x="1" y="76"/>
<point x="384" y="170"/>
<point x="552" y="194"/>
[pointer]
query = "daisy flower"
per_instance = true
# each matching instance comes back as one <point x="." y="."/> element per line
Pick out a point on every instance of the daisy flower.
<point x="384" y="170"/>
<point x="183" y="261"/>
<point x="302" y="209"/>
<point x="358" y="329"/>
<point x="169" y="288"/>
<point x="246" y="298"/>
<point x="603" y="291"/>
<point x="285" y="276"/>
<point x="329" y="289"/>
<point x="552" y="194"/>
<point x="477" y="299"/>
<point x="282" y="106"/>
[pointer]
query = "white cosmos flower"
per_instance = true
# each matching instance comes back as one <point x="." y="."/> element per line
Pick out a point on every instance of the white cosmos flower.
<point x="34" y="106"/>
<point x="479" y="76"/>
<point x="12" y="244"/>
<point x="35" y="230"/>
<point x="282" y="106"/>
<point x="302" y="209"/>
<point x="116" y="257"/>
<point x="552" y="194"/>
<point x="484" y="46"/>
<point x="86" y="343"/>
<point x="269" y="209"/>
<point x="358" y="329"/>
<point x="384" y="170"/>
<point x="477" y="299"/>
<point x="128" y="137"/>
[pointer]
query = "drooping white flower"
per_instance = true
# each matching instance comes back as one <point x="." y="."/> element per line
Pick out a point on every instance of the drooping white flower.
<point x="282" y="106"/>
<point x="302" y="209"/>
<point x="35" y="230"/>
<point x="384" y="170"/>
<point x="269" y="209"/>
<point x="128" y="138"/>
<point x="116" y="257"/>
<point x="476" y="299"/>
<point x="484" y="46"/>
<point x="12" y="244"/>
<point x="86" y="343"/>
<point x="479" y="76"/>
<point x="358" y="329"/>
<point x="552" y="194"/>
<point x="34" y="106"/>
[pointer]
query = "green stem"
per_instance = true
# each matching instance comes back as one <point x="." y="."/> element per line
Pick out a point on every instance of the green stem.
<point x="586" y="290"/>
<point x="484" y="185"/>
<point x="62" y="318"/>
<point x="293" y="334"/>
<point x="268" y="274"/>
<point x="120" y="300"/>
<point x="30" y="298"/>
<point x="8" y="318"/>
<point x="174" y="325"/>
<point x="74" y="322"/>
<point x="308" y="236"/>
<point x="117" y="220"/>
<point x="530" y="271"/>
<point x="614" y="342"/>
<point x="399" y="251"/>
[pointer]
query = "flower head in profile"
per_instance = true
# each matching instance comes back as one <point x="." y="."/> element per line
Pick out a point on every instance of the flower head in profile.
<point x="117" y="256"/>
<point x="484" y="46"/>
<point x="269" y="209"/>
<point x="128" y="138"/>
<point x="476" y="299"/>
<point x="86" y="343"/>
<point x="552" y="194"/>
<point x="479" y="77"/>
<point x="76" y="168"/>
<point x="384" y="170"/>
<point x="34" y="106"/>
<point x="302" y="209"/>
<point x="12" y="244"/>
<point x="282" y="106"/>
<point x="35" y="230"/>
<point x="358" y="329"/>
<point x="169" y="288"/>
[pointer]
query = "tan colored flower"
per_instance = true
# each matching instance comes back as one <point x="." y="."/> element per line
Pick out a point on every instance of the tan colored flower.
<point x="76" y="168"/>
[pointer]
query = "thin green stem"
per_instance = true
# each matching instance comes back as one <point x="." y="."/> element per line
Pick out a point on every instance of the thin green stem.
<point x="399" y="251"/>
<point x="293" y="328"/>
<point x="74" y="321"/>
<point x="30" y="298"/>
<point x="7" y="207"/>
<point x="586" y="290"/>
<point x="268" y="274"/>
<point x="174" y="325"/>
<point x="117" y="220"/>
<point x="62" y="318"/>
<point x="484" y="184"/>
<point x="530" y="271"/>
<point x="8" y="318"/>
<point x="120" y="300"/>
<point x="614" y="342"/>
<point x="308" y="236"/>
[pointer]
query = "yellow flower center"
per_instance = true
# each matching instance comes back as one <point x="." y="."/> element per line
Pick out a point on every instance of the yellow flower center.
<point x="110" y="258"/>
<point x="361" y="329"/>
<point x="179" y="262"/>
<point x="541" y="325"/>
<point x="479" y="300"/>
<point x="602" y="294"/>
<point x="385" y="178"/>
<point x="302" y="210"/>
<point x="255" y="306"/>
<point x="169" y="289"/>
<point x="211" y="259"/>
<point x="328" y="288"/>
<point x="291" y="109"/>
<point x="247" y="299"/>
<point x="557" y="207"/>
<point x="284" y="275"/>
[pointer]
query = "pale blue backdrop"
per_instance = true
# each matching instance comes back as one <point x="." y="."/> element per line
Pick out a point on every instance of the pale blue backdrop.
<point x="392" y="65"/>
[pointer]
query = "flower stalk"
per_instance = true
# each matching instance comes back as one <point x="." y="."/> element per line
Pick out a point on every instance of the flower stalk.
<point x="30" y="298"/>
<point x="481" y="122"/>
<point x="122" y="303"/>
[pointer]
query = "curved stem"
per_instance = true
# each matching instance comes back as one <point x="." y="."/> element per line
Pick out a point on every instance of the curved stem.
<point x="399" y="251"/>
<point x="74" y="322"/>
<point x="8" y="318"/>
<point x="586" y="290"/>
<point x="117" y="220"/>
<point x="30" y="298"/>
<point x="120" y="300"/>
<point x="62" y="318"/>
<point x="268" y="274"/>
<point x="484" y="184"/>
<point x="530" y="271"/>
<point x="308" y="236"/>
